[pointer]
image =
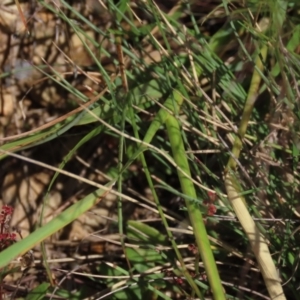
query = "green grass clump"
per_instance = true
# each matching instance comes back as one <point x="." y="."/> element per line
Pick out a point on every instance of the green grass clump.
<point x="201" y="101"/>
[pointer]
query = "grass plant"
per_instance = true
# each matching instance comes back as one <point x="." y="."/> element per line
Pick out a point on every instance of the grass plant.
<point x="203" y="104"/>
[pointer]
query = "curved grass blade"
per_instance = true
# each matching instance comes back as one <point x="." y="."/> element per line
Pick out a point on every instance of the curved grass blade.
<point x="59" y="222"/>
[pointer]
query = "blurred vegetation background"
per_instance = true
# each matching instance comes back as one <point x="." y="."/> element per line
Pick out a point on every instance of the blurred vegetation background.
<point x="150" y="149"/>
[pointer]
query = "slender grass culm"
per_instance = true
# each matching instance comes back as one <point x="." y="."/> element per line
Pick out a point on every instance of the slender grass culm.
<point x="149" y="149"/>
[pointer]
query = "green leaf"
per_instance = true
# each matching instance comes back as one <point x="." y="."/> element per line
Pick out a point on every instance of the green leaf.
<point x="59" y="222"/>
<point x="39" y="292"/>
<point x="147" y="233"/>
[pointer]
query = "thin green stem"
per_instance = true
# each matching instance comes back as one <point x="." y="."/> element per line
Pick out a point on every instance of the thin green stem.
<point x="250" y="101"/>
<point x="195" y="215"/>
<point x="155" y="125"/>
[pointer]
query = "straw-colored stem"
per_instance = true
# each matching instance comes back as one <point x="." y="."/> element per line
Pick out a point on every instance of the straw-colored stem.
<point x="257" y="240"/>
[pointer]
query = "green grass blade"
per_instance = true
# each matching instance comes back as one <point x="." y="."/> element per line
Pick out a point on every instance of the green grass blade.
<point x="59" y="222"/>
<point x="187" y="186"/>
